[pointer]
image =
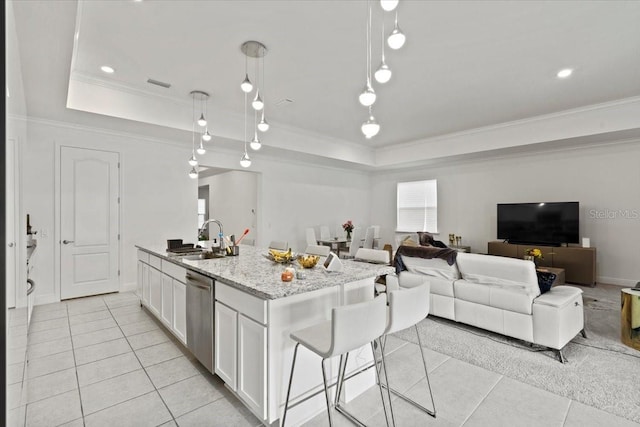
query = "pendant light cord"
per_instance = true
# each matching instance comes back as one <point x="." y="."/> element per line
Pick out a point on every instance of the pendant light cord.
<point x="193" y="125"/>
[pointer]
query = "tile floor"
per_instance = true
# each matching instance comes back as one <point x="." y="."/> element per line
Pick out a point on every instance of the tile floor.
<point x="104" y="361"/>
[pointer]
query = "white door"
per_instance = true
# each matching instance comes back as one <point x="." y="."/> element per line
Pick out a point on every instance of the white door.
<point x="89" y="222"/>
<point x="10" y="225"/>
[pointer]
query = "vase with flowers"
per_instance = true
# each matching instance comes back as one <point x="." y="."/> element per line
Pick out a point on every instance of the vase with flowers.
<point x="348" y="228"/>
<point x="533" y="254"/>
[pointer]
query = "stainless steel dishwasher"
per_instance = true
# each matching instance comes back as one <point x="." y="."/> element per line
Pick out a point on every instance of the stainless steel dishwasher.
<point x="200" y="297"/>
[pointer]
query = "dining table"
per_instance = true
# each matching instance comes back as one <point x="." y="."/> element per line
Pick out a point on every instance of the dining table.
<point x="336" y="243"/>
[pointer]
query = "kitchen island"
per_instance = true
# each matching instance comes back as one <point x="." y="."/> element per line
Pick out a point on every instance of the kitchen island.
<point x="254" y="313"/>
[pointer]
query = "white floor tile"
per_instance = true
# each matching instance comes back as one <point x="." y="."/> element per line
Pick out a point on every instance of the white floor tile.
<point x="89" y="317"/>
<point x="107" y="368"/>
<point x="221" y="413"/>
<point x="49" y="324"/>
<point x="48" y="348"/>
<point x="172" y="371"/>
<point x="104" y="394"/>
<point x="146" y="410"/>
<point x="189" y="394"/>
<point x="158" y="353"/>
<point x="585" y="416"/>
<point x="49" y="335"/>
<point x="139" y="327"/>
<point x="53" y="384"/>
<point x="95" y="325"/>
<point x="50" y="364"/>
<point x="56" y="410"/>
<point x="147" y="339"/>
<point x="101" y="351"/>
<point x="96" y="337"/>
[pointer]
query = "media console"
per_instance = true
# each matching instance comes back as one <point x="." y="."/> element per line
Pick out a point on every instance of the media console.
<point x="578" y="263"/>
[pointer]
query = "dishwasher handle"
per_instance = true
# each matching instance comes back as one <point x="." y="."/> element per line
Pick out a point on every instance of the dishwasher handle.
<point x="199" y="283"/>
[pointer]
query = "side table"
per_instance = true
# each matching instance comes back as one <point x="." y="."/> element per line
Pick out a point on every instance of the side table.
<point x="630" y="318"/>
<point x="466" y="249"/>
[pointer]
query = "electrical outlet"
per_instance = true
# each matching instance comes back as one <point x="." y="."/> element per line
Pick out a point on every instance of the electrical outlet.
<point x="45" y="233"/>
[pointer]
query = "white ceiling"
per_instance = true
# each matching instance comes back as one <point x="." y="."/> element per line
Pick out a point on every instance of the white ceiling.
<point x="466" y="67"/>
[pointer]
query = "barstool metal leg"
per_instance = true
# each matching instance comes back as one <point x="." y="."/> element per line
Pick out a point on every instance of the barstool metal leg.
<point x="386" y="380"/>
<point x="286" y="403"/>
<point x="326" y="393"/>
<point x="342" y="367"/>
<point x="384" y="407"/>
<point x="405" y="398"/>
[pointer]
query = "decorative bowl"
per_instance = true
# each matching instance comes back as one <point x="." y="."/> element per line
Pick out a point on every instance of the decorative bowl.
<point x="308" y="261"/>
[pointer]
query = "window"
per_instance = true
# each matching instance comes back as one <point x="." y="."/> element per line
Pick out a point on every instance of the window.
<point x="202" y="212"/>
<point x="417" y="206"/>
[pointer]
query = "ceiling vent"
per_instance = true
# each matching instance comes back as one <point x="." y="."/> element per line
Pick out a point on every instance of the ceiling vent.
<point x="159" y="83"/>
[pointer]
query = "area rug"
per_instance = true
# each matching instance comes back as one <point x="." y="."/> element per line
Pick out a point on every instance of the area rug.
<point x="600" y="371"/>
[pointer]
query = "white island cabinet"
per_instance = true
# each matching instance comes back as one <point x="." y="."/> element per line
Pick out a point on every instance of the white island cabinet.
<point x="161" y="288"/>
<point x="254" y="315"/>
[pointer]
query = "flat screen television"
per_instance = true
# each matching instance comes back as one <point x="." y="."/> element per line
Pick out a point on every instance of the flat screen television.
<point x="539" y="223"/>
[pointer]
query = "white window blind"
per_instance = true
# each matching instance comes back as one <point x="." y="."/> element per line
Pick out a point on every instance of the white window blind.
<point x="417" y="206"/>
<point x="202" y="212"/>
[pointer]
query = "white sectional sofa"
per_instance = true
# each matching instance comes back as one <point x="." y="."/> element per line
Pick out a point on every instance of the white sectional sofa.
<point x="501" y="295"/>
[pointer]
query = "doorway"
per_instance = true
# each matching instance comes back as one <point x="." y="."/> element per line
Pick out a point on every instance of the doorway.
<point x="89" y="222"/>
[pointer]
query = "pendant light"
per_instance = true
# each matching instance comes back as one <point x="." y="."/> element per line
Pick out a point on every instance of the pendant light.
<point x="368" y="96"/>
<point x="388" y="5"/>
<point x="397" y="38"/>
<point x="193" y="174"/>
<point x="255" y="50"/>
<point x="383" y="73"/>
<point x="370" y="128"/>
<point x="206" y="136"/>
<point x="263" y="126"/>
<point x="246" y="84"/>
<point x="245" y="161"/>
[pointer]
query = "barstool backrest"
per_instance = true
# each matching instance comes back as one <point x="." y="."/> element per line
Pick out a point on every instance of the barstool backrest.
<point x="355" y="325"/>
<point x="318" y="250"/>
<point x="407" y="306"/>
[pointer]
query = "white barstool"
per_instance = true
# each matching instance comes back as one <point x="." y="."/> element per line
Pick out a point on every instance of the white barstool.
<point x="351" y="327"/>
<point x="407" y="307"/>
<point x="317" y="250"/>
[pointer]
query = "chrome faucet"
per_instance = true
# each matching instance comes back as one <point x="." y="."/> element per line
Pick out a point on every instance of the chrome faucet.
<point x="207" y="223"/>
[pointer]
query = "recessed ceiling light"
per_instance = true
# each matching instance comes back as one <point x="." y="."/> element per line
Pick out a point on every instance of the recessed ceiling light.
<point x="563" y="74"/>
<point x="107" y="69"/>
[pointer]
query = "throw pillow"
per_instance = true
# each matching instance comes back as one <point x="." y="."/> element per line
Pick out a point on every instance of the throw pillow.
<point x="425" y="239"/>
<point x="545" y="281"/>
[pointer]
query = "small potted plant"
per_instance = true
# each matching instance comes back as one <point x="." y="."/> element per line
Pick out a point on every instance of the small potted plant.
<point x="348" y="227"/>
<point x="533" y="254"/>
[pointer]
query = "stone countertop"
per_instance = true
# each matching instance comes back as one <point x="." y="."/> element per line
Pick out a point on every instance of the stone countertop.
<point x="252" y="272"/>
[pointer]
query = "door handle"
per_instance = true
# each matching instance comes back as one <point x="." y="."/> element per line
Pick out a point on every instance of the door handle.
<point x="11" y="244"/>
<point x="66" y="242"/>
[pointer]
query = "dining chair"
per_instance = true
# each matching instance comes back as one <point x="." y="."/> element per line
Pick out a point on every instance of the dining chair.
<point x="378" y="256"/>
<point x="368" y="238"/>
<point x="318" y="250"/>
<point x="324" y="232"/>
<point x="351" y="327"/>
<point x="356" y="240"/>
<point x="407" y="306"/>
<point x="311" y="236"/>
<point x="281" y="246"/>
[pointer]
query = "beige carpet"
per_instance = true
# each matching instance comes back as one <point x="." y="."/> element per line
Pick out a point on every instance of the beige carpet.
<point x="600" y="371"/>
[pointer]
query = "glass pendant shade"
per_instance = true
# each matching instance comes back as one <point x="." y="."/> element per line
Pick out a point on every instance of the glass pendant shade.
<point x="193" y="161"/>
<point x="257" y="103"/>
<point x="202" y="121"/>
<point x="246" y="84"/>
<point x="370" y="128"/>
<point x="263" y="126"/>
<point x="206" y="136"/>
<point x="396" y="39"/>
<point x="388" y="5"/>
<point x="193" y="173"/>
<point x="200" y="150"/>
<point x="383" y="73"/>
<point x="245" y="161"/>
<point x="255" y="143"/>
<point x="368" y="96"/>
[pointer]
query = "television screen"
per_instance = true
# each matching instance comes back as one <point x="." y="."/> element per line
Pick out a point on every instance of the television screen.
<point x="539" y="223"/>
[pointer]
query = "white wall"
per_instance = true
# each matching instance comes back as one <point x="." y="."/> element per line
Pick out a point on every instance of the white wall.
<point x="233" y="200"/>
<point x="604" y="179"/>
<point x="158" y="199"/>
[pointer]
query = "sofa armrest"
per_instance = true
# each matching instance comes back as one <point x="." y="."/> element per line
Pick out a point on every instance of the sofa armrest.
<point x="558" y="296"/>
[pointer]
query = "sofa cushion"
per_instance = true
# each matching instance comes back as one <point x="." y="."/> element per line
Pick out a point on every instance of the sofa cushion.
<point x="498" y="296"/>
<point x="434" y="267"/>
<point x="500" y="271"/>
